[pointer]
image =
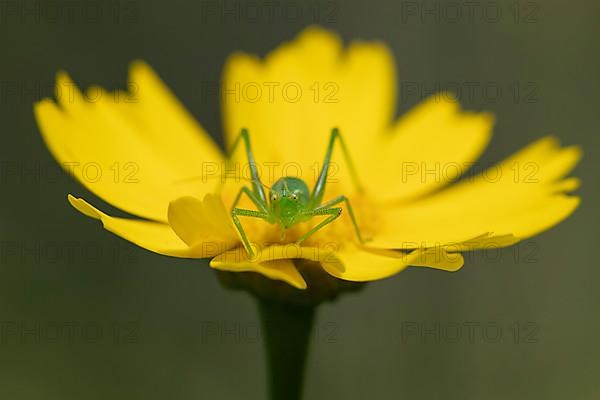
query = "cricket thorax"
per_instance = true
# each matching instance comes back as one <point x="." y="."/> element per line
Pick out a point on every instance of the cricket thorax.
<point x="288" y="199"/>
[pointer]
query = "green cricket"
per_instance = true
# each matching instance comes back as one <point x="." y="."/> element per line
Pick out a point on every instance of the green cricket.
<point x="290" y="201"/>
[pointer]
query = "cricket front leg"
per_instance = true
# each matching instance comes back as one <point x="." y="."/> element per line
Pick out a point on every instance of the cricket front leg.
<point x="252" y="196"/>
<point x="344" y="199"/>
<point x="240" y="212"/>
<point x="333" y="214"/>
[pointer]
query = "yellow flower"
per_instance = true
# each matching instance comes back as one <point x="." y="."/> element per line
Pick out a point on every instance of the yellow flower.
<point x="289" y="102"/>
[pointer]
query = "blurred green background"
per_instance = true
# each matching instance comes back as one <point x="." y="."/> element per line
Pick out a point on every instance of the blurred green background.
<point x="157" y="315"/>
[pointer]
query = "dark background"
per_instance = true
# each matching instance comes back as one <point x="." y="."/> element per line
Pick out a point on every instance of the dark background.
<point x="159" y="307"/>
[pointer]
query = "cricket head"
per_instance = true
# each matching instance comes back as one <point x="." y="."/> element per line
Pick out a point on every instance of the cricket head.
<point x="288" y="198"/>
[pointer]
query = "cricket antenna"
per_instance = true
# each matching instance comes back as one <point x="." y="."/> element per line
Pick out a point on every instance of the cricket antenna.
<point x="259" y="182"/>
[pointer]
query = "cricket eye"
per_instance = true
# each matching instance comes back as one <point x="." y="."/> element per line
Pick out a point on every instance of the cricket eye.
<point x="294" y="197"/>
<point x="274" y="197"/>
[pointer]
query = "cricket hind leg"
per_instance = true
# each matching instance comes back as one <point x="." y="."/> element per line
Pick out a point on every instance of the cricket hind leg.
<point x="319" y="189"/>
<point x="257" y="185"/>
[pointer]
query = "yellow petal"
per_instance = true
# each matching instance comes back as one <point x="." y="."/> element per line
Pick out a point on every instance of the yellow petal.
<point x="494" y="201"/>
<point x="352" y="89"/>
<point x="360" y="99"/>
<point x="268" y="252"/>
<point x="203" y="222"/>
<point x="438" y="258"/>
<point x="486" y="241"/>
<point x="265" y="254"/>
<point x="135" y="150"/>
<point x="166" y="123"/>
<point x="282" y="270"/>
<point x="361" y="263"/>
<point x="353" y="263"/>
<point x="153" y="236"/>
<point x="429" y="147"/>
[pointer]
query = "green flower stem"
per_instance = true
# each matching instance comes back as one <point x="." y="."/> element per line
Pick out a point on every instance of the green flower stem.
<point x="286" y="332"/>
